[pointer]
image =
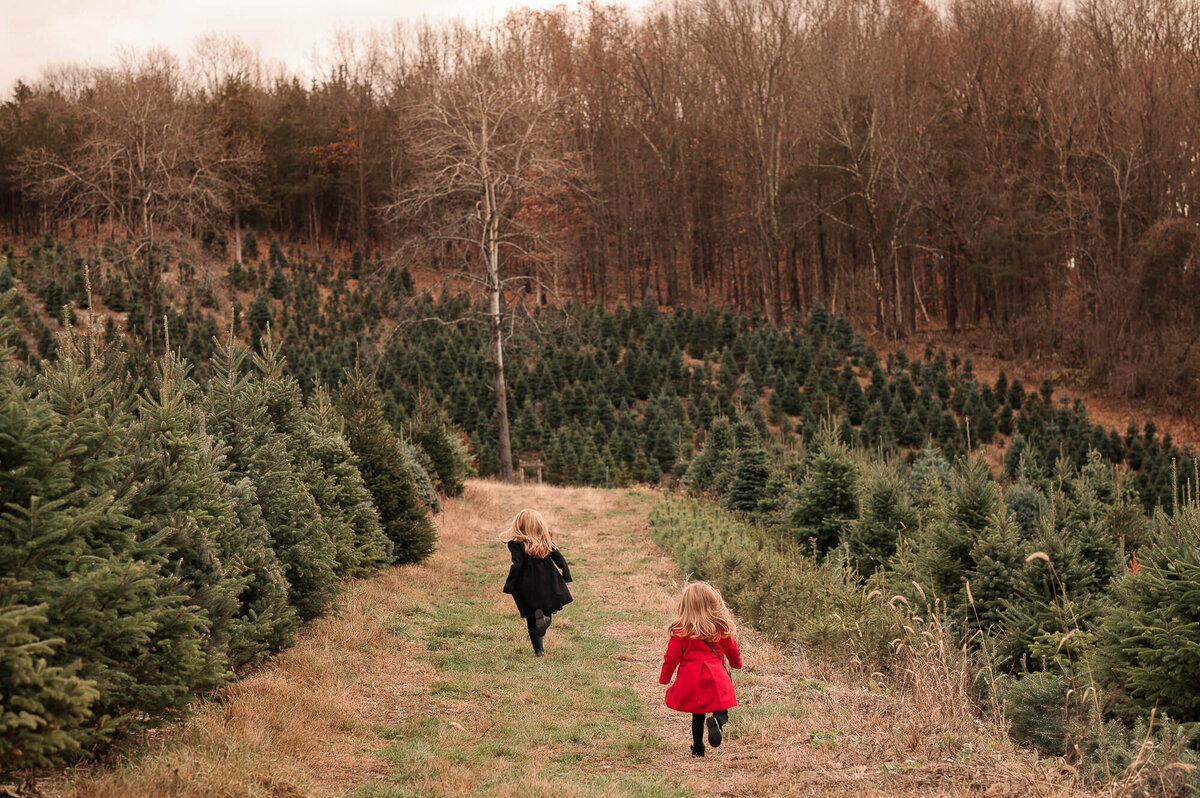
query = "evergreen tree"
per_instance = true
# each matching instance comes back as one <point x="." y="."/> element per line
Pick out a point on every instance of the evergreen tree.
<point x="887" y="514"/>
<point x="43" y="708"/>
<point x="278" y="287"/>
<point x="432" y="433"/>
<point x="749" y="484"/>
<point x="827" y="501"/>
<point x="222" y="552"/>
<point x="1149" y="640"/>
<point x="237" y="409"/>
<point x="66" y="533"/>
<point x="855" y="402"/>
<point x="996" y="559"/>
<point x="818" y="322"/>
<point x="259" y="317"/>
<point x="712" y="468"/>
<point x="387" y="471"/>
<point x="956" y="522"/>
<point x="343" y="493"/>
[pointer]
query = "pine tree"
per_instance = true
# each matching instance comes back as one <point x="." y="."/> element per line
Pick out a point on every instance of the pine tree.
<point x="887" y="514"/>
<point x="43" y="708"/>
<point x="237" y="410"/>
<point x="386" y="470"/>
<point x="225" y="561"/>
<point x="750" y="474"/>
<point x="1149" y="641"/>
<point x="66" y="531"/>
<point x="827" y="501"/>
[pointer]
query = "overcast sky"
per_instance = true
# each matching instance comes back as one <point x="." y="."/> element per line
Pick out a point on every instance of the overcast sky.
<point x="37" y="33"/>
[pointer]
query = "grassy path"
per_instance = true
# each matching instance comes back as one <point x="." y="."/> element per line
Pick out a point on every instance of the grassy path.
<point x="425" y="684"/>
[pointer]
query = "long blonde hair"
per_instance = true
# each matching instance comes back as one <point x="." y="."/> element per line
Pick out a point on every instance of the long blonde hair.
<point x="702" y="613"/>
<point x="530" y="529"/>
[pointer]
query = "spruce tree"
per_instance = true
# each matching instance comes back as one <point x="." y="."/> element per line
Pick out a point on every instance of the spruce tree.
<point x="238" y="410"/>
<point x="67" y="531"/>
<point x="749" y="483"/>
<point x="711" y="469"/>
<point x="432" y="433"/>
<point x="44" y="709"/>
<point x="342" y="492"/>
<point x="827" y="501"/>
<point x="225" y="560"/>
<point x="387" y="471"/>
<point x="887" y="514"/>
<point x="855" y="402"/>
<point x="1149" y="640"/>
<point x="996" y="561"/>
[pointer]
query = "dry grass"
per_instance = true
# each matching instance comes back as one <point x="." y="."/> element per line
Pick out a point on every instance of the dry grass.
<point x="423" y="684"/>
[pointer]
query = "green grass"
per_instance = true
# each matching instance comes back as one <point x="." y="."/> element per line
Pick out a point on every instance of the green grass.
<point x="506" y="721"/>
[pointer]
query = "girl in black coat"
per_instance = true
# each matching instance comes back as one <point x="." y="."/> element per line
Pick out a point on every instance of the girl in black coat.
<point x="534" y="580"/>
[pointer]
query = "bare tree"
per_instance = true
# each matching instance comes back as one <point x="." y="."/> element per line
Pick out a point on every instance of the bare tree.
<point x="755" y="47"/>
<point x="146" y="164"/>
<point x="485" y="145"/>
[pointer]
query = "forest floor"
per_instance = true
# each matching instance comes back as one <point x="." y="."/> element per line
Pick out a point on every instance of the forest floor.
<point x="425" y="684"/>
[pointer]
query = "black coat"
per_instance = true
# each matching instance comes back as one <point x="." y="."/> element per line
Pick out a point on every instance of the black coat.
<point x="535" y="583"/>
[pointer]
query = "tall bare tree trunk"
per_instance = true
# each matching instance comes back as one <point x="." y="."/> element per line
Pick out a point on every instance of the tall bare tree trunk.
<point x="237" y="237"/>
<point x="496" y="332"/>
<point x="491" y="248"/>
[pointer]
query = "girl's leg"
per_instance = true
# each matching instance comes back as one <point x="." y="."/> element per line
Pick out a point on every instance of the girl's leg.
<point x="542" y="621"/>
<point x="722" y="716"/>
<point x="698" y="734"/>
<point x="534" y="636"/>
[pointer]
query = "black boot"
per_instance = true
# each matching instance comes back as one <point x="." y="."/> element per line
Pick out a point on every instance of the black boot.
<point x="535" y="637"/>
<point x="697" y="750"/>
<point x="541" y="622"/>
<point x="714" y="732"/>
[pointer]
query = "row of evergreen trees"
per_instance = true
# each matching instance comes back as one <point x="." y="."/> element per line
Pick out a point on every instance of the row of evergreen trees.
<point x="160" y="533"/>
<point x="1062" y="578"/>
<point x="604" y="397"/>
<point x="610" y="397"/>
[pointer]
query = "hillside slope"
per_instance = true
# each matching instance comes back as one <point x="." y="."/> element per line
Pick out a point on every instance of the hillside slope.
<point x="425" y="684"/>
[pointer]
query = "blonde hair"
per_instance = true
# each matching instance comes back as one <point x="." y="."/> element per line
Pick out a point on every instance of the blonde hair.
<point x="702" y="613"/>
<point x="530" y="529"/>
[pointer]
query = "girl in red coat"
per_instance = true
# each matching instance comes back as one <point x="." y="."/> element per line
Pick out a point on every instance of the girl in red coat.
<point x="701" y="641"/>
<point x="534" y="579"/>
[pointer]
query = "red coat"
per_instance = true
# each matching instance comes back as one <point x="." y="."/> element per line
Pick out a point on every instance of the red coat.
<point x="703" y="685"/>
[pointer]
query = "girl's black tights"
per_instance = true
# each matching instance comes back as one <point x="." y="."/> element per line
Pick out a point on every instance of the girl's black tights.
<point x="722" y="717"/>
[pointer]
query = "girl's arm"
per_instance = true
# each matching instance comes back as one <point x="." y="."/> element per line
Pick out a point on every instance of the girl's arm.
<point x="561" y="561"/>
<point x="671" y="659"/>
<point x="518" y="560"/>
<point x="732" y="652"/>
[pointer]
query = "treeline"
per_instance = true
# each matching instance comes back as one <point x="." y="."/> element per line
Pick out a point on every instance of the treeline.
<point x="162" y="533"/>
<point x="995" y="162"/>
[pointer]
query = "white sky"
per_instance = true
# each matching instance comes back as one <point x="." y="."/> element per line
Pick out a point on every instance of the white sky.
<point x="38" y="33"/>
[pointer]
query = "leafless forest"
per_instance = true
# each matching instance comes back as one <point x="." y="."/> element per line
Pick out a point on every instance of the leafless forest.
<point x="1027" y="169"/>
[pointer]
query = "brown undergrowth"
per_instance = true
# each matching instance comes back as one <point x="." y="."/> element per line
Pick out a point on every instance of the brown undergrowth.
<point x="423" y="684"/>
